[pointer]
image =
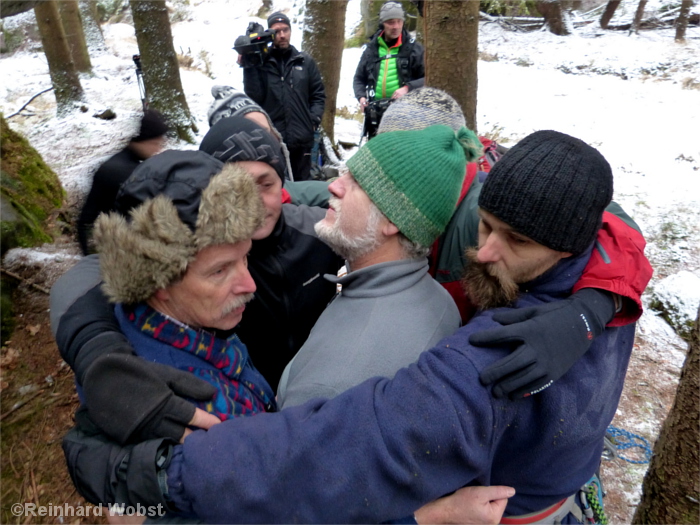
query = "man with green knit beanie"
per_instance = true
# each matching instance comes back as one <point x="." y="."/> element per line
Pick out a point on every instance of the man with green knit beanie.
<point x="384" y="213"/>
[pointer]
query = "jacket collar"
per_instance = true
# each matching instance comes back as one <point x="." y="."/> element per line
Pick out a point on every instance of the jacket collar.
<point x="560" y="279"/>
<point x="382" y="279"/>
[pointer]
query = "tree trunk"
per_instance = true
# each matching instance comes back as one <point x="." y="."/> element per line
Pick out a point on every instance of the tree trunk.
<point x="15" y="7"/>
<point x="671" y="489"/>
<point x="161" y="72"/>
<point x="682" y="20"/>
<point x="638" y="16"/>
<point x="447" y="22"/>
<point x="91" y="25"/>
<point x="324" y="35"/>
<point x="608" y="13"/>
<point x="73" y="29"/>
<point x="64" y="76"/>
<point x="555" y="16"/>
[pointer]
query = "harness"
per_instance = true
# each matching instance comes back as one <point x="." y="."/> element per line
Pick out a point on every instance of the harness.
<point x="586" y="505"/>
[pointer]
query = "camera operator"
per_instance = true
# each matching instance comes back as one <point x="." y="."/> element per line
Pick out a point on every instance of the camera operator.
<point x="391" y="66"/>
<point x="287" y="84"/>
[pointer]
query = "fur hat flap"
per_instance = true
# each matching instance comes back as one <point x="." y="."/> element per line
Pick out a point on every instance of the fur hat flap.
<point x="140" y="257"/>
<point x="230" y="209"/>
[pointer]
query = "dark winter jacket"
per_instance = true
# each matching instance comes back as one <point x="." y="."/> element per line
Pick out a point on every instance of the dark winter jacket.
<point x="289" y="88"/>
<point x="288" y="268"/>
<point x="105" y="186"/>
<point x="291" y="294"/>
<point x="384" y="448"/>
<point x="409" y="62"/>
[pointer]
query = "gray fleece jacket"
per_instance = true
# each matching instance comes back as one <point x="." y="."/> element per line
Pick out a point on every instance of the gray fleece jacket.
<point x="385" y="316"/>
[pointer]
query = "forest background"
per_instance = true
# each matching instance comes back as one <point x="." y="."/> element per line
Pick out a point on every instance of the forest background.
<point x="632" y="94"/>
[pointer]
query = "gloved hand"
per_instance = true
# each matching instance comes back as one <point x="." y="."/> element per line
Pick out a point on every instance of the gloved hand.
<point x="104" y="472"/>
<point x="132" y="400"/>
<point x="550" y="339"/>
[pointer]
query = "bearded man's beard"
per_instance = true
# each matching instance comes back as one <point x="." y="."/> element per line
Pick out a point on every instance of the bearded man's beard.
<point x="487" y="285"/>
<point x="350" y="248"/>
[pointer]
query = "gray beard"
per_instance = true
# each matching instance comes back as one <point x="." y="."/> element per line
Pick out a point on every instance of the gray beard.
<point x="350" y="248"/>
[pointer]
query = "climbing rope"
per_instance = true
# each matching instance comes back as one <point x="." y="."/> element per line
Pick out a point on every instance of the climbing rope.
<point x="599" y="515"/>
<point x="623" y="440"/>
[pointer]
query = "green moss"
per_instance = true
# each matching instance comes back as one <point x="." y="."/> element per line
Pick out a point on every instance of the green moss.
<point x="13" y="38"/>
<point x="30" y="191"/>
<point x="356" y="40"/>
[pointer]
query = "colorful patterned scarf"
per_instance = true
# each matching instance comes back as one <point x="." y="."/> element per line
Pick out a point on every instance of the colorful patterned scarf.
<point x="235" y="396"/>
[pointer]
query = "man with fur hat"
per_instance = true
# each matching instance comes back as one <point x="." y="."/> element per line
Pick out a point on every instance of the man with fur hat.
<point x="177" y="273"/>
<point x="107" y="179"/>
<point x="387" y="446"/>
<point x="384" y="213"/>
<point x="288" y="86"/>
<point x="287" y="262"/>
<point x="392" y="63"/>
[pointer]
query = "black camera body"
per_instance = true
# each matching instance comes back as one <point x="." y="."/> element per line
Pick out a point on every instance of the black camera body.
<point x="254" y="45"/>
<point x="373" y="116"/>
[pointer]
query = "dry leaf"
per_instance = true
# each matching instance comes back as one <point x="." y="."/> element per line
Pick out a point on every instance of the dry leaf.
<point x="33" y="329"/>
<point x="9" y="357"/>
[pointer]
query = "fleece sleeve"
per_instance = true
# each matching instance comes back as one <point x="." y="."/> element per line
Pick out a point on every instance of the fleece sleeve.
<point x="360" y="457"/>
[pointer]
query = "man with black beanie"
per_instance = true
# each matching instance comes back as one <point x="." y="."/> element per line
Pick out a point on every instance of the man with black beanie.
<point x="288" y="86"/>
<point x="110" y="176"/>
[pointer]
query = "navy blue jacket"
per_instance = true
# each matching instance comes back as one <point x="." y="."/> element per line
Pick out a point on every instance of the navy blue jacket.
<point x="386" y="447"/>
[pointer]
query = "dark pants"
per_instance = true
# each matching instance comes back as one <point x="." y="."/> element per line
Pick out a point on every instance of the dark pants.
<point x="300" y="159"/>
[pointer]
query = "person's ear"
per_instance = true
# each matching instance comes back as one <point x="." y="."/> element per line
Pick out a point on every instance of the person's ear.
<point x="162" y="294"/>
<point x="389" y="229"/>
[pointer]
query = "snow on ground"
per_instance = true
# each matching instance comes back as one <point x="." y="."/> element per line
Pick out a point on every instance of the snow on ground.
<point x="635" y="98"/>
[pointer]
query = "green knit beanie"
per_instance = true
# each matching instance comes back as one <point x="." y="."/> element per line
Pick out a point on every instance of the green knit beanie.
<point x="415" y="177"/>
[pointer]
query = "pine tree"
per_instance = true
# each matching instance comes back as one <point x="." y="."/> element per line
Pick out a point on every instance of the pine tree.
<point x="64" y="76"/>
<point x="610" y="9"/>
<point x="454" y="72"/>
<point x="324" y="35"/>
<point x="73" y="29"/>
<point x="671" y="490"/>
<point x="555" y="16"/>
<point x="161" y="71"/>
<point x="682" y="20"/>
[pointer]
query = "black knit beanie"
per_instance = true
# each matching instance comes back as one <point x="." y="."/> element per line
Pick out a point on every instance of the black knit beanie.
<point x="552" y="188"/>
<point x="278" y="17"/>
<point x="153" y="125"/>
<point x="234" y="139"/>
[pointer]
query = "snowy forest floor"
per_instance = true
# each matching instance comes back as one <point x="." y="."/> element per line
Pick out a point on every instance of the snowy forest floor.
<point x="636" y="98"/>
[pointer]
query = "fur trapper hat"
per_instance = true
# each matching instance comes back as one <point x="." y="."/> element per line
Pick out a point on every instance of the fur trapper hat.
<point x="195" y="202"/>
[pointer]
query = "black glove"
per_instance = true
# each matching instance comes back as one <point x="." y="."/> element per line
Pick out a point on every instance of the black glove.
<point x="107" y="473"/>
<point x="550" y="339"/>
<point x="131" y="399"/>
<point x="88" y="330"/>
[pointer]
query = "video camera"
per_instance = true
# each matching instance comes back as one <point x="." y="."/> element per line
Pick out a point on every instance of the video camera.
<point x="373" y="115"/>
<point x="254" y="45"/>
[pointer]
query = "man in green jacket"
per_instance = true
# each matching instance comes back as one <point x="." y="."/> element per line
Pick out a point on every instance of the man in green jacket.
<point x="392" y="63"/>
